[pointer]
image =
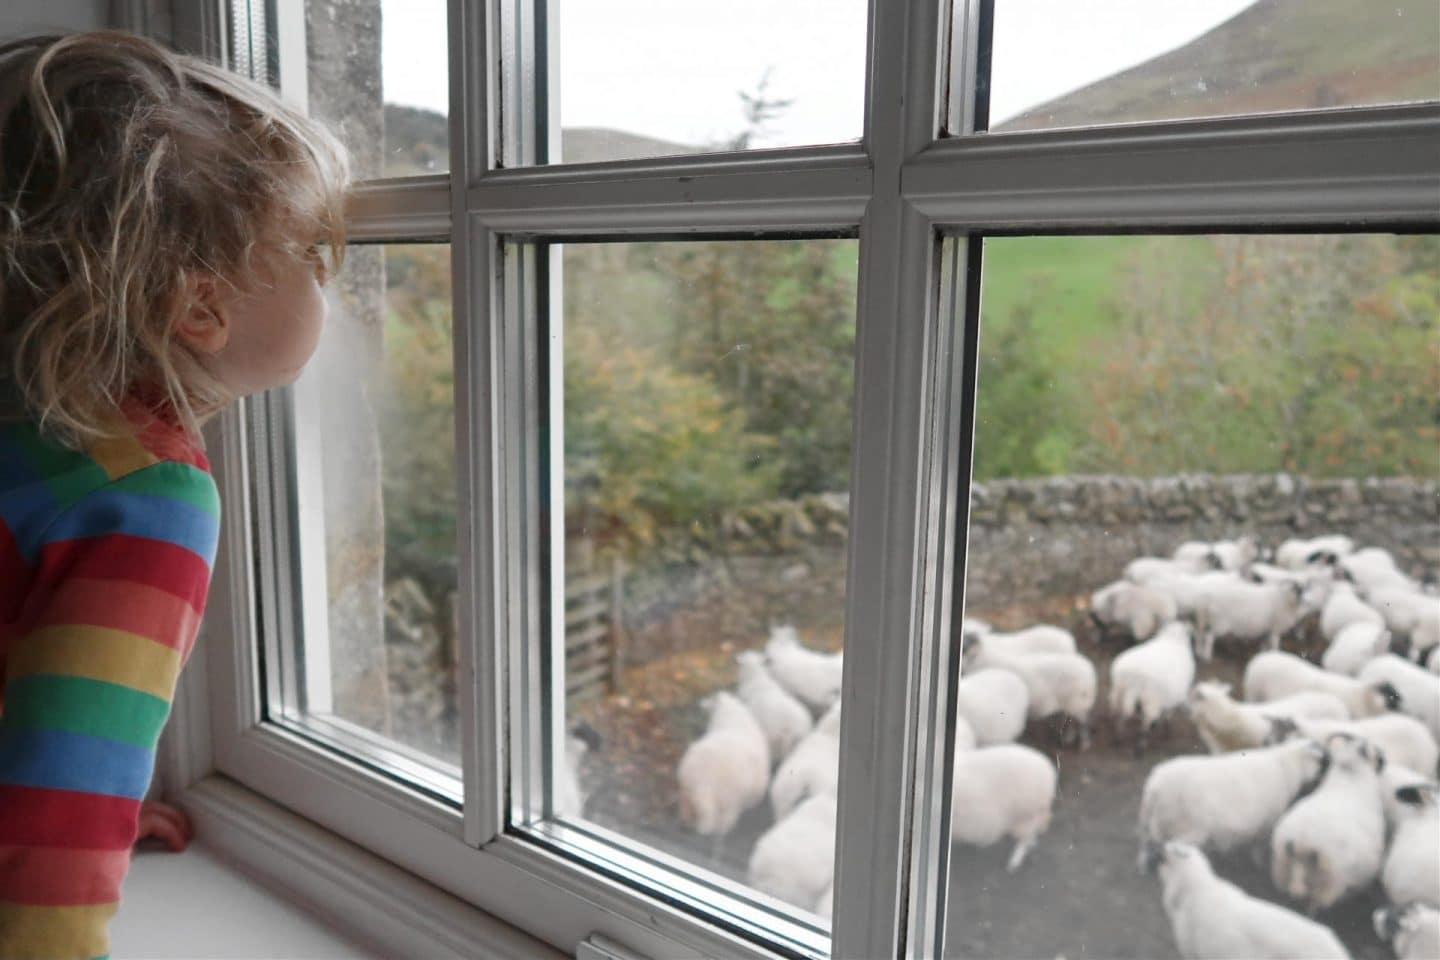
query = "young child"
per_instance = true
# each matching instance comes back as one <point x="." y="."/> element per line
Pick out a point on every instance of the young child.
<point x="162" y="223"/>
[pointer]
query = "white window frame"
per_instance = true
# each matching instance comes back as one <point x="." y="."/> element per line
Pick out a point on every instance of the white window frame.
<point x="902" y="187"/>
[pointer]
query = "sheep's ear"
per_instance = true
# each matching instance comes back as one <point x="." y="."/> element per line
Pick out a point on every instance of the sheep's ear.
<point x="1410" y="795"/>
<point x="1281" y="729"/>
<point x="1393" y="700"/>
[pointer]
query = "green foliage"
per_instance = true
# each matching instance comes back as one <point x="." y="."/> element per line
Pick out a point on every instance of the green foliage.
<point x="1020" y="427"/>
<point x="649" y="447"/>
<point x="754" y="339"/>
<point x="1309" y="354"/>
<point x="417" y="415"/>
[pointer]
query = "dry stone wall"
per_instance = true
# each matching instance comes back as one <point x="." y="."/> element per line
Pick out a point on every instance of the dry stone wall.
<point x="1032" y="539"/>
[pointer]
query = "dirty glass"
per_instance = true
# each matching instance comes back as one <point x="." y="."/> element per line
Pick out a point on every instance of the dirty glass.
<point x="374" y="441"/>
<point x="1202" y="542"/>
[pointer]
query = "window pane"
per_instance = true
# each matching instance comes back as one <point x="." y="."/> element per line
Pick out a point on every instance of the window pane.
<point x="1214" y="403"/>
<point x="706" y="419"/>
<point x="1056" y="63"/>
<point x="644" y="79"/>
<point x="374" y="457"/>
<point x="379" y="74"/>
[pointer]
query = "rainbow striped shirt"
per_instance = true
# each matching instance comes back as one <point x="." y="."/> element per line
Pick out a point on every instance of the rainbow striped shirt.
<point x="104" y="567"/>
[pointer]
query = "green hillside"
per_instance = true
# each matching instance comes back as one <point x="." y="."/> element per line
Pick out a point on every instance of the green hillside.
<point x="1277" y="55"/>
<point x="1068" y="283"/>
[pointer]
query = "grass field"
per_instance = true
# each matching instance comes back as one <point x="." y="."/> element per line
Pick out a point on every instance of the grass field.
<point x="1071" y="284"/>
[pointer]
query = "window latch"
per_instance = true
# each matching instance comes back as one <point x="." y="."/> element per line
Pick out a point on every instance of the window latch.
<point x="600" y="947"/>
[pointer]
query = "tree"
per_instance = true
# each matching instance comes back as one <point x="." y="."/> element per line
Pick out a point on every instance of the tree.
<point x="1310" y="354"/>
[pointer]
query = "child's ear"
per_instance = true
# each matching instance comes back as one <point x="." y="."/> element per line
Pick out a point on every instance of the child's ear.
<point x="202" y="322"/>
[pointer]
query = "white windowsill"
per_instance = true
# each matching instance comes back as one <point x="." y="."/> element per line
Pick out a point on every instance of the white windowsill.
<point x="331" y="884"/>
<point x="196" y="905"/>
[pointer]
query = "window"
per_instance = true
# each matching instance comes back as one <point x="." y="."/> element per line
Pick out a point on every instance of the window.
<point x="1137" y="394"/>
<point x="628" y="412"/>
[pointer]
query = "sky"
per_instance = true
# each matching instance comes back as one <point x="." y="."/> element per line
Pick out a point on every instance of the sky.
<point x="672" y="69"/>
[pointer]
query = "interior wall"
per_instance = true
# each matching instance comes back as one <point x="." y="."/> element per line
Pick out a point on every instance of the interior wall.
<point x="42" y="16"/>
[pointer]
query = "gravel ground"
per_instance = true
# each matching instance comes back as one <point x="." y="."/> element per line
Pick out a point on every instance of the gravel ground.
<point x="1077" y="895"/>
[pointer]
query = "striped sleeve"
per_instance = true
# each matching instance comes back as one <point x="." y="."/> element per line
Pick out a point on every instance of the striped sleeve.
<point x="121" y="580"/>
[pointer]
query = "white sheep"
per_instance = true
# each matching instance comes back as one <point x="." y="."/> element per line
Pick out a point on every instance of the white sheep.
<point x="1225" y="724"/>
<point x="1404" y="740"/>
<point x="1040" y="638"/>
<point x="1355" y="646"/>
<point x="1230" y="554"/>
<point x="569" y="798"/>
<point x="1269" y="573"/>
<point x="1412" y="865"/>
<point x="1341" y="607"/>
<point x="784" y="719"/>
<point x="1151" y="679"/>
<point x="1412" y="615"/>
<point x="1419" y="688"/>
<point x="810" y="675"/>
<point x="1000" y="791"/>
<point x="1392" y="779"/>
<point x="964" y="734"/>
<point x="1224" y="801"/>
<point x="1196" y="555"/>
<point x="795" y="859"/>
<point x="1412" y="930"/>
<point x="1274" y="674"/>
<point x="1132" y="607"/>
<point x="1188" y="590"/>
<point x="994" y="703"/>
<point x="1249" y="612"/>
<point x="1299" y="553"/>
<point x="1145" y="569"/>
<point x="1332" y="842"/>
<point x="972" y="627"/>
<point x="1213" y="919"/>
<point x="1425" y="644"/>
<point x="1058" y="683"/>
<point x="812" y="768"/>
<point x="1374" y="568"/>
<point x="725" y="772"/>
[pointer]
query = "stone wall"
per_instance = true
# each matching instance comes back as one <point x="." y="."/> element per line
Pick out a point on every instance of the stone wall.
<point x="1063" y="536"/>
<point x="1032" y="539"/>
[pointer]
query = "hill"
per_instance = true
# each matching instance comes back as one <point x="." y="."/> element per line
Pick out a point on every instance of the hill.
<point x="418" y="141"/>
<point x="1276" y="55"/>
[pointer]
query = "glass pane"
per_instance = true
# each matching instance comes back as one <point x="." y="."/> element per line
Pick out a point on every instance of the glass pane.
<point x="1229" y="438"/>
<point x="706" y="418"/>
<point x="1057" y="63"/>
<point x="707" y="75"/>
<point x="374" y="430"/>
<point x="379" y="74"/>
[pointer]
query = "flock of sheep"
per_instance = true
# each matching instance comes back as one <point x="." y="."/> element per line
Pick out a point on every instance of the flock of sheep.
<point x="1328" y="772"/>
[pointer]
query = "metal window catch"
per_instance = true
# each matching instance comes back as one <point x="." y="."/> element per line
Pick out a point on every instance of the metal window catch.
<point x="600" y="947"/>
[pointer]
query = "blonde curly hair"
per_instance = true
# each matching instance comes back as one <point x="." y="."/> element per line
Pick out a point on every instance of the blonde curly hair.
<point x="125" y="167"/>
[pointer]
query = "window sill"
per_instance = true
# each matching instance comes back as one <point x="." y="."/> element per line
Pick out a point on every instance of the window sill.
<point x="197" y="905"/>
<point x="378" y="904"/>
